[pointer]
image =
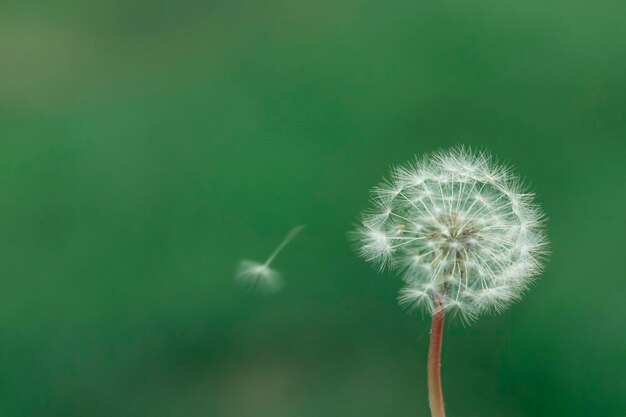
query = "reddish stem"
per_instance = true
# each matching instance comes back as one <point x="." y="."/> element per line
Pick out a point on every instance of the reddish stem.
<point x="435" y="393"/>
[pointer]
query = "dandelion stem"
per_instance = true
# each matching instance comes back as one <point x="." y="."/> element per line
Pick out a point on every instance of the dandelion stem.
<point x="435" y="393"/>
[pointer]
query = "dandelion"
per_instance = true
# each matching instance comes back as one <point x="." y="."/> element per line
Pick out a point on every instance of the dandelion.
<point x="260" y="276"/>
<point x="464" y="234"/>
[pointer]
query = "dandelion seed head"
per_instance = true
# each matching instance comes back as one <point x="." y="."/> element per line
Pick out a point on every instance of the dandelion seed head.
<point x="462" y="231"/>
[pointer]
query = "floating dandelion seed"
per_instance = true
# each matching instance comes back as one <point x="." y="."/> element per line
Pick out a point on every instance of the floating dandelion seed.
<point x="464" y="234"/>
<point x="260" y="276"/>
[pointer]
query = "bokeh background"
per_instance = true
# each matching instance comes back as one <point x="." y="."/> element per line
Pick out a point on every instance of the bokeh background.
<point x="147" y="146"/>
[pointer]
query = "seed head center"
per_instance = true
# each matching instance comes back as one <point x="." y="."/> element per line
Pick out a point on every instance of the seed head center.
<point x="454" y="234"/>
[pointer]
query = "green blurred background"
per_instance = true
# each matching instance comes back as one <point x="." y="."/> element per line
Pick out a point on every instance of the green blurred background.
<point x="147" y="146"/>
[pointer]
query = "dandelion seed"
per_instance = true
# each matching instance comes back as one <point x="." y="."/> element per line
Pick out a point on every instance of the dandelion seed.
<point x="260" y="276"/>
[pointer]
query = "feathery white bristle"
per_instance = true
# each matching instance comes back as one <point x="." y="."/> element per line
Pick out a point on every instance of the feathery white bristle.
<point x="258" y="276"/>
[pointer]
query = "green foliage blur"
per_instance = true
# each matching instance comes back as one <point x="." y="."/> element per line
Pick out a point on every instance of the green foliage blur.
<point x="147" y="146"/>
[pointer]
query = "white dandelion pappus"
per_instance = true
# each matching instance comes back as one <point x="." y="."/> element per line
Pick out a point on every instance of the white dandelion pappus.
<point x="463" y="231"/>
<point x="260" y="276"/>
